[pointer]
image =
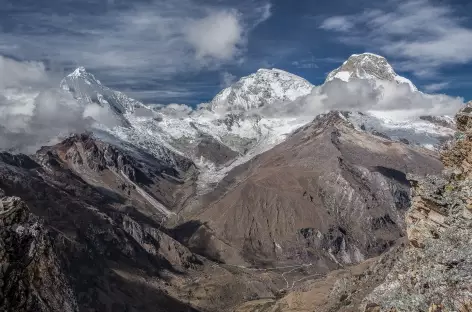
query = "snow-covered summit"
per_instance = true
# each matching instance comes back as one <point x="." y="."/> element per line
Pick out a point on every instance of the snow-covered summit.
<point x="86" y="88"/>
<point x="264" y="87"/>
<point x="368" y="66"/>
<point x="81" y="72"/>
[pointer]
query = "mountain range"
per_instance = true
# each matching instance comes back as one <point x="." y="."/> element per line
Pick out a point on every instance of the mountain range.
<point x="249" y="117"/>
<point x="262" y="194"/>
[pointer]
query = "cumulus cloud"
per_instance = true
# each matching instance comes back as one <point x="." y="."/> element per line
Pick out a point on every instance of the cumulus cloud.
<point x="174" y="110"/>
<point x="140" y="39"/>
<point x="217" y="35"/>
<point x="35" y="112"/>
<point x="15" y="73"/>
<point x="361" y="95"/>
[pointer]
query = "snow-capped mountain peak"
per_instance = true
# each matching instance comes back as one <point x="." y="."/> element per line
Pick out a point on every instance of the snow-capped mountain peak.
<point x="86" y="88"/>
<point x="81" y="73"/>
<point x="264" y="87"/>
<point x="368" y="66"/>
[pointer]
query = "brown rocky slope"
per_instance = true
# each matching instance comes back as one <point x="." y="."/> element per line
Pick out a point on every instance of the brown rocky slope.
<point x="329" y="195"/>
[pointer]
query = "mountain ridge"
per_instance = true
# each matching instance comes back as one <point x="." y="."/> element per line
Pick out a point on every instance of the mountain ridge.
<point x="235" y="121"/>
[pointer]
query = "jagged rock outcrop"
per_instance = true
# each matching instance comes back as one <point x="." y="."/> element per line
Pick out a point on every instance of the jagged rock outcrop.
<point x="31" y="275"/>
<point x="156" y="186"/>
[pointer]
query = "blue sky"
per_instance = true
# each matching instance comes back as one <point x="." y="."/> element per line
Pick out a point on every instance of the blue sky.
<point x="184" y="51"/>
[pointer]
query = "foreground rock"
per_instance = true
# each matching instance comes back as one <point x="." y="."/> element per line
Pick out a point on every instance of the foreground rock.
<point x="31" y="276"/>
<point x="83" y="225"/>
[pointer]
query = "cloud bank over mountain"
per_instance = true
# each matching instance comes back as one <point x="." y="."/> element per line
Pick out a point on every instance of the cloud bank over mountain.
<point x="396" y="100"/>
<point x="34" y="111"/>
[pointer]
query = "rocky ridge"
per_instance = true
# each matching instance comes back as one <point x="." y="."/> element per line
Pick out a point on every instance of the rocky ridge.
<point x="67" y="245"/>
<point x="29" y="268"/>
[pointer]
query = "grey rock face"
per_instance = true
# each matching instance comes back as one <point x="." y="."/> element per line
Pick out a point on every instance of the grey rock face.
<point x="443" y="121"/>
<point x="214" y="151"/>
<point x="81" y="247"/>
<point x="31" y="275"/>
<point x="124" y="169"/>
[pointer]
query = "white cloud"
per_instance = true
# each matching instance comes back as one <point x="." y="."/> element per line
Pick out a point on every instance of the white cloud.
<point x="227" y="79"/>
<point x="361" y="95"/>
<point x="433" y="87"/>
<point x="175" y="110"/>
<point x="424" y="35"/>
<point x="218" y="35"/>
<point x="15" y="73"/>
<point x="34" y="112"/>
<point x="337" y="23"/>
<point x="163" y="37"/>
